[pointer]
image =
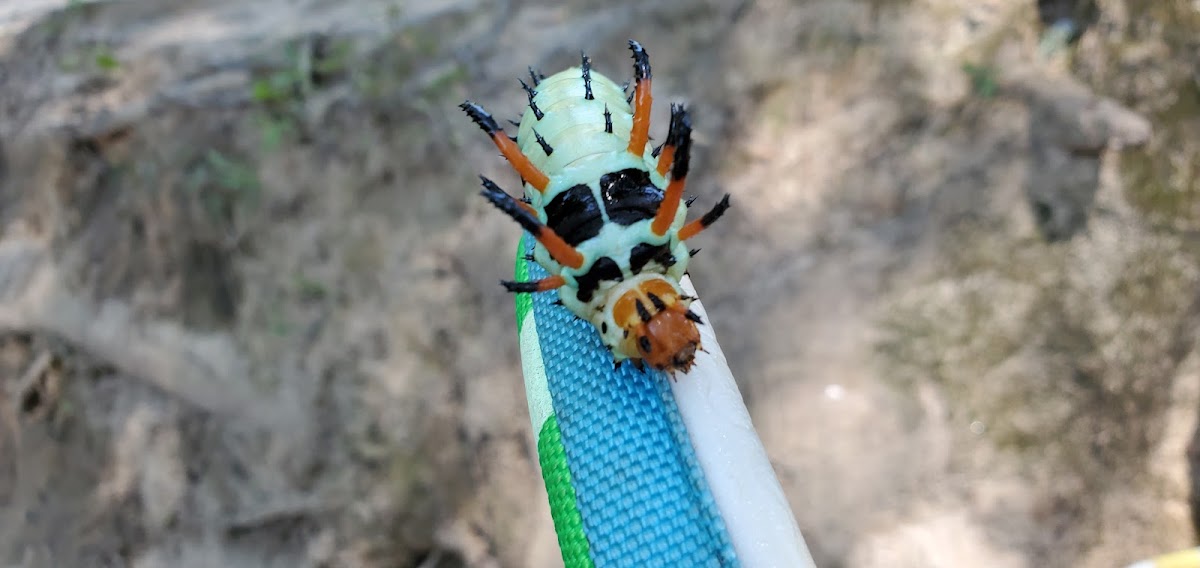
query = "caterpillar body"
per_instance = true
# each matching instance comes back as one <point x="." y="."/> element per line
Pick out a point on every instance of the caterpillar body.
<point x="606" y="209"/>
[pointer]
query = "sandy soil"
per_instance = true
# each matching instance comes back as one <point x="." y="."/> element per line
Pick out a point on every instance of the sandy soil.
<point x="248" y="294"/>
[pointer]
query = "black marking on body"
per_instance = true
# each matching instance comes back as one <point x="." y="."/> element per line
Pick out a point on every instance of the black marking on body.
<point x="587" y="77"/>
<point x="607" y="119"/>
<point x="629" y="196"/>
<point x="643" y="253"/>
<point x="542" y="142"/>
<point x="574" y="214"/>
<point x="644" y="343"/>
<point x="643" y="312"/>
<point x="602" y="270"/>
<point x="537" y="112"/>
<point x="658" y="303"/>
<point x="603" y="327"/>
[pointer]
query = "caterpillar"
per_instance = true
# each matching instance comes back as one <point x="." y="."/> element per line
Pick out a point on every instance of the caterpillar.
<point x="606" y="209"/>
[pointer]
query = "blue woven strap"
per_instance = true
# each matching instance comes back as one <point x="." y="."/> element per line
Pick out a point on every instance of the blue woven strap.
<point x="641" y="493"/>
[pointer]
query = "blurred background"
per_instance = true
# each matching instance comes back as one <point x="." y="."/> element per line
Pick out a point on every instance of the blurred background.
<point x="249" y="311"/>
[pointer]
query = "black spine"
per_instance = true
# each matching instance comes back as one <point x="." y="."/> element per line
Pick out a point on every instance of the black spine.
<point x="587" y="77"/>
<point x="505" y="202"/>
<point x="641" y="61"/>
<point x="716" y="212"/>
<point x="535" y="76"/>
<point x="680" y="135"/>
<point x="607" y="119"/>
<point x="481" y="117"/>
<point x="518" y="287"/>
<point x="537" y="112"/>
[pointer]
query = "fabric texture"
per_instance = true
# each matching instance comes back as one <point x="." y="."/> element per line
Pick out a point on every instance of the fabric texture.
<point x="567" y="521"/>
<point x="640" y="494"/>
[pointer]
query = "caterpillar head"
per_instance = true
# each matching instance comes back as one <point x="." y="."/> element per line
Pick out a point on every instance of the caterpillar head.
<point x="656" y="325"/>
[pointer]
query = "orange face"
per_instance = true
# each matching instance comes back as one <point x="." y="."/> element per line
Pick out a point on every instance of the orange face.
<point x="658" y="326"/>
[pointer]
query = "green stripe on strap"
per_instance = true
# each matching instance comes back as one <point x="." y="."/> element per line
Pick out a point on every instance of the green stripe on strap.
<point x="568" y="523"/>
<point x="521" y="274"/>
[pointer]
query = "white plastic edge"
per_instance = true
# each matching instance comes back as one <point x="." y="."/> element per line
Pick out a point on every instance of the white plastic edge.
<point x="537" y="391"/>
<point x="735" y="463"/>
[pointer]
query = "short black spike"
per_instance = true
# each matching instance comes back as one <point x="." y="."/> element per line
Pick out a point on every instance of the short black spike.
<point x="642" y="312"/>
<point x="537" y="112"/>
<point x="514" y="123"/>
<point x="692" y="316"/>
<point x="693" y="252"/>
<point x="607" y="119"/>
<point x="542" y="142"/>
<point x="529" y="257"/>
<point x="535" y="76"/>
<point x="657" y="150"/>
<point x="691" y="200"/>
<point x="587" y="77"/>
<point x="529" y="91"/>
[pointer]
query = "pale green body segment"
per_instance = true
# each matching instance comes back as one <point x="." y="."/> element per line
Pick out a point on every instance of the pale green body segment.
<point x="583" y="152"/>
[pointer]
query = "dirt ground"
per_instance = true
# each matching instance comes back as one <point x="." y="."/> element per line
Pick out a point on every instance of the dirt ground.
<point x="249" y="312"/>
